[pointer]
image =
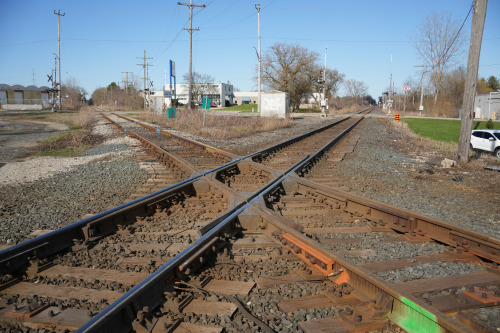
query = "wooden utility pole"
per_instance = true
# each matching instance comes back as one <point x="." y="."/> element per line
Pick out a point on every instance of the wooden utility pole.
<point x="58" y="13"/>
<point x="479" y="15"/>
<point x="190" y="29"/>
<point x="257" y="6"/>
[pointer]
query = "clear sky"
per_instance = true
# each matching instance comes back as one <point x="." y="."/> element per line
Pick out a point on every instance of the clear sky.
<point x="101" y="39"/>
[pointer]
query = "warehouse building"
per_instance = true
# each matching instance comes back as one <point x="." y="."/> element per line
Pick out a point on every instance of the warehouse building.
<point x="487" y="106"/>
<point x="17" y="97"/>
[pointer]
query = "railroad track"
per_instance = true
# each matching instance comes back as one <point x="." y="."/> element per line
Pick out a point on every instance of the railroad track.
<point x="297" y="255"/>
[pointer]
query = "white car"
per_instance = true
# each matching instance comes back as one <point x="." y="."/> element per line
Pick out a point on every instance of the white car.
<point x="488" y="140"/>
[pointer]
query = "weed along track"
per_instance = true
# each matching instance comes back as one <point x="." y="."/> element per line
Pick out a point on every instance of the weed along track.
<point x="257" y="243"/>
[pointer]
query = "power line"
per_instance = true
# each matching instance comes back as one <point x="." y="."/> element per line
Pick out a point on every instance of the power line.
<point x="455" y="38"/>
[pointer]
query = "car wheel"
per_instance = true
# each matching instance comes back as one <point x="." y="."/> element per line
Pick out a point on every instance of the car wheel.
<point x="497" y="152"/>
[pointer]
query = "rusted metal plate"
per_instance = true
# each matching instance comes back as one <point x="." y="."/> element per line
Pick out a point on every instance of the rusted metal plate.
<point x="308" y="254"/>
<point x="483" y="296"/>
<point x="44" y="290"/>
<point x="229" y="287"/>
<point x="449" y="256"/>
<point x="308" y="302"/>
<point x="446" y="282"/>
<point x="20" y="311"/>
<point x="91" y="274"/>
<point x="324" y="325"/>
<point x="211" y="308"/>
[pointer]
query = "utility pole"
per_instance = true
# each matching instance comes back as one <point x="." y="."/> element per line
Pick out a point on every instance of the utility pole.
<point x="476" y="37"/>
<point x="190" y="5"/>
<point x="390" y="90"/>
<point x="421" y="108"/>
<point x="324" y="84"/>
<point x="54" y="82"/>
<point x="126" y="82"/>
<point x="144" y="66"/>
<point x="257" y="6"/>
<point x="58" y="13"/>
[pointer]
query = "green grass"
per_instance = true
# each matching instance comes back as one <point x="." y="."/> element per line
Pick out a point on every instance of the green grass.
<point x="441" y="130"/>
<point x="65" y="152"/>
<point x="243" y="107"/>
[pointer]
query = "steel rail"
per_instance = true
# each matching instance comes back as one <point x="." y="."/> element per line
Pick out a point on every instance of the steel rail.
<point x="181" y="138"/>
<point x="146" y="293"/>
<point x="404" y="304"/>
<point x="149" y="292"/>
<point x="307" y="164"/>
<point x="406" y="310"/>
<point x="17" y="257"/>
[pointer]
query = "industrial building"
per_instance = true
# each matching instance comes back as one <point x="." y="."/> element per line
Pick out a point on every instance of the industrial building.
<point x="220" y="93"/>
<point x="487" y="106"/>
<point x="18" y="97"/>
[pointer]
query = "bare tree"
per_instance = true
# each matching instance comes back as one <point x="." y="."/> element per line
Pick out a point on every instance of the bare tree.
<point x="439" y="42"/>
<point x="202" y="84"/>
<point x="453" y="85"/>
<point x="289" y="68"/>
<point x="355" y="89"/>
<point x="73" y="94"/>
<point x="333" y="79"/>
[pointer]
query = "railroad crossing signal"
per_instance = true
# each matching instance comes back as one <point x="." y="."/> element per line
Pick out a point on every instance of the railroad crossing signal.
<point x="406" y="88"/>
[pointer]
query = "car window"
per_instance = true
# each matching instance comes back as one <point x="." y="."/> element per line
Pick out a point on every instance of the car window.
<point x="497" y="135"/>
<point x="478" y="134"/>
<point x="487" y="135"/>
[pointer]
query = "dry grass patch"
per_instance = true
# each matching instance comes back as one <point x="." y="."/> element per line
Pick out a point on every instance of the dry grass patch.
<point x="216" y="126"/>
<point x="74" y="141"/>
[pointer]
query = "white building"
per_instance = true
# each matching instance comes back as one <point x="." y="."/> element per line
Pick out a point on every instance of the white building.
<point x="487" y="106"/>
<point x="220" y="93"/>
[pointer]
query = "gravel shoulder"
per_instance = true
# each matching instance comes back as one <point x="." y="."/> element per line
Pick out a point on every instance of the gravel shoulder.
<point x="45" y="193"/>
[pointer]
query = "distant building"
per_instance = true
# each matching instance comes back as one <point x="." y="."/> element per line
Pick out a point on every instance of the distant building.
<point x="487" y="106"/>
<point x="245" y="97"/>
<point x="17" y="97"/>
<point x="219" y="93"/>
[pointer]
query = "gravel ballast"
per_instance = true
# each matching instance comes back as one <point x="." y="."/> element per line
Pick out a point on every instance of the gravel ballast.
<point x="385" y="166"/>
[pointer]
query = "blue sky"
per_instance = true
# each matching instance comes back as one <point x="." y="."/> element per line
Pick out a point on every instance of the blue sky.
<point x="101" y="39"/>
